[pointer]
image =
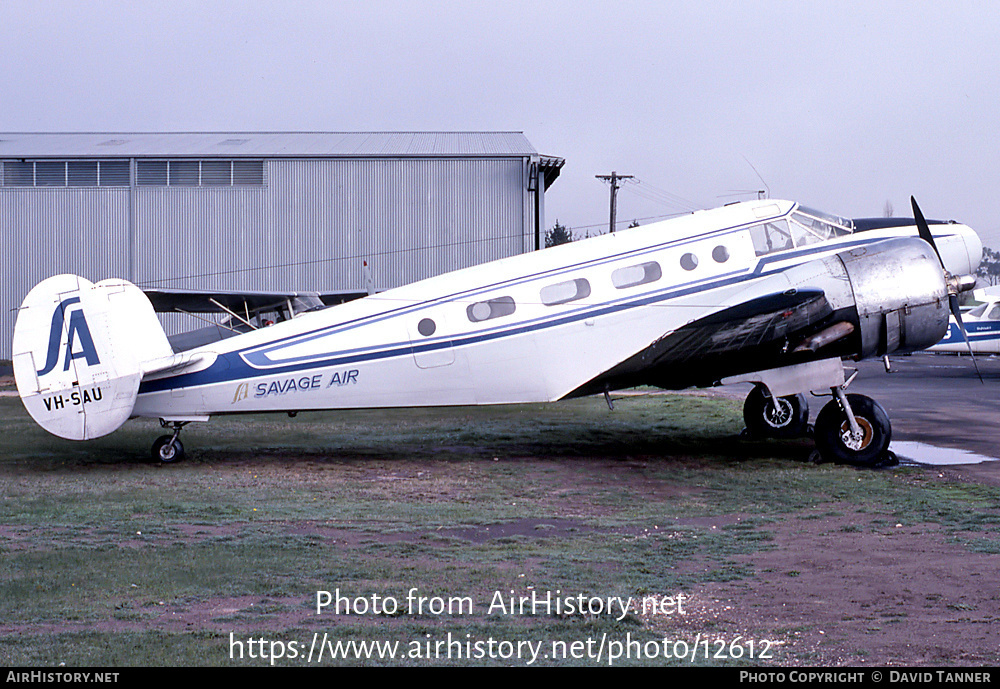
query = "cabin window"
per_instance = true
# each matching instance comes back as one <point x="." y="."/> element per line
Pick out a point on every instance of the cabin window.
<point x="426" y="327"/>
<point x="486" y="310"/>
<point x="720" y="254"/>
<point x="689" y="261"/>
<point x="563" y="292"/>
<point x="770" y="237"/>
<point x="633" y="276"/>
<point x="994" y="314"/>
<point x="802" y="235"/>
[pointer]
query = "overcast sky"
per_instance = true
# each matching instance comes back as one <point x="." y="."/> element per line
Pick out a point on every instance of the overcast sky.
<point x="843" y="106"/>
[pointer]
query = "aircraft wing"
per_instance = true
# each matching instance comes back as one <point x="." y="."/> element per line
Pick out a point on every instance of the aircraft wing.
<point x="758" y="334"/>
<point x="242" y="307"/>
<point x="219" y="301"/>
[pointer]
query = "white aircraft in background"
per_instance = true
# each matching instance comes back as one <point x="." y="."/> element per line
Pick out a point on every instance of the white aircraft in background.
<point x="764" y="291"/>
<point x="982" y="324"/>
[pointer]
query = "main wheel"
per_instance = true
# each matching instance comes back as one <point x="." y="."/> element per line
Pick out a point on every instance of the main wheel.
<point x="833" y="433"/>
<point x="775" y="417"/>
<point x="168" y="450"/>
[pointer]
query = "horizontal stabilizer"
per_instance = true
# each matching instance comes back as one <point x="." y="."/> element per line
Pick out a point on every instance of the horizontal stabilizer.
<point x="80" y="350"/>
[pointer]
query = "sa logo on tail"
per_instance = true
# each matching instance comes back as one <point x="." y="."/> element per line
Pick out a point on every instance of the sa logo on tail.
<point x="77" y="330"/>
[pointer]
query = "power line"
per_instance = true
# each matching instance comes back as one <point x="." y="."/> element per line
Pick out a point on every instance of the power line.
<point x="367" y="255"/>
<point x="658" y="195"/>
<point x="370" y="255"/>
<point x="651" y="217"/>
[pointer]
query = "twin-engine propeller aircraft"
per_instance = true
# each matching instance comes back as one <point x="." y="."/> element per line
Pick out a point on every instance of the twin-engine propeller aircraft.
<point x="766" y="291"/>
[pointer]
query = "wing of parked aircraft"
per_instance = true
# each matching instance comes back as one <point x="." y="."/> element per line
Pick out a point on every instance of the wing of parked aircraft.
<point x="240" y="311"/>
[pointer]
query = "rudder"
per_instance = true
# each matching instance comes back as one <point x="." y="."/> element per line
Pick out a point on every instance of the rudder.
<point x="78" y="351"/>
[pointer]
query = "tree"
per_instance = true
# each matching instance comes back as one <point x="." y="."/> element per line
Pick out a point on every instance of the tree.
<point x="558" y="235"/>
<point x="989" y="269"/>
<point x="888" y="210"/>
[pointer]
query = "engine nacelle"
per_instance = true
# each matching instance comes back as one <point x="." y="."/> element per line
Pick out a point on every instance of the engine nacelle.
<point x="900" y="294"/>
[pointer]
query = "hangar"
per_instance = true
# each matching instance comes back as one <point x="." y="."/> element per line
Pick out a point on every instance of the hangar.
<point x="263" y="211"/>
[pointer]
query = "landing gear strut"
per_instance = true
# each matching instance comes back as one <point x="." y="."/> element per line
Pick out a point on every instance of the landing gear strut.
<point x="168" y="448"/>
<point x="767" y="416"/>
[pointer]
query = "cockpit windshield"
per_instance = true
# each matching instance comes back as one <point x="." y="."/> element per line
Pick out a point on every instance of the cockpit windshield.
<point x="803" y="227"/>
<point x="845" y="225"/>
<point x="978" y="311"/>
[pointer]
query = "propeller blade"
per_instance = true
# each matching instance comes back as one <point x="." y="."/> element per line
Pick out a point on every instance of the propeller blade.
<point x="923" y="230"/>
<point x="957" y="313"/>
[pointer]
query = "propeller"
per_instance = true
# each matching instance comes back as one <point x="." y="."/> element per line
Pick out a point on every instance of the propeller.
<point x="925" y="233"/>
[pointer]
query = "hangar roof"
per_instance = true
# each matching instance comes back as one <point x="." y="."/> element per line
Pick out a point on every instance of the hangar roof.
<point x="265" y="144"/>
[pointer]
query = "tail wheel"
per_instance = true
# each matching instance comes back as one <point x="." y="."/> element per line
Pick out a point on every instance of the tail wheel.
<point x="775" y="417"/>
<point x="835" y="441"/>
<point x="168" y="449"/>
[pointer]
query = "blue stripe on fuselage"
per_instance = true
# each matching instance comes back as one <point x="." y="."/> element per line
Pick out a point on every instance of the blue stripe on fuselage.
<point x="231" y="366"/>
<point x="979" y="331"/>
<point x="234" y="366"/>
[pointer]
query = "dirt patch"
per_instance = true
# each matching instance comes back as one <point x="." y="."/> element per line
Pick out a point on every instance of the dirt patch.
<point x="831" y="591"/>
<point x="839" y="592"/>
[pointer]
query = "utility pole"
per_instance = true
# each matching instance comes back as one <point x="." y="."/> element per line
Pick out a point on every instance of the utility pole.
<point x="614" y="178"/>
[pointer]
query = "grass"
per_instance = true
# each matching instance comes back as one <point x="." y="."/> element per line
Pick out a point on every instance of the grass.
<point x="109" y="559"/>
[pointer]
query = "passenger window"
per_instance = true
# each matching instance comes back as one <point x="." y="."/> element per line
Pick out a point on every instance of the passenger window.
<point x="994" y="314"/>
<point x="563" y="292"/>
<point x="494" y="308"/>
<point x="636" y="275"/>
<point x="426" y="327"/>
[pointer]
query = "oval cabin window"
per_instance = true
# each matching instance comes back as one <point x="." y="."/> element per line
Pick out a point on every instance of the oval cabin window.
<point x="632" y="276"/>
<point x="563" y="292"/>
<point x="493" y="308"/>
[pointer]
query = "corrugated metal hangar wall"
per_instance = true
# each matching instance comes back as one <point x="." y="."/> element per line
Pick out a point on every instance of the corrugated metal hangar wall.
<point x="254" y="211"/>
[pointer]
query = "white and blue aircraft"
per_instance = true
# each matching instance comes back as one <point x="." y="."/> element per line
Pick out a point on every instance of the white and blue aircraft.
<point x="767" y="291"/>
<point x="982" y="324"/>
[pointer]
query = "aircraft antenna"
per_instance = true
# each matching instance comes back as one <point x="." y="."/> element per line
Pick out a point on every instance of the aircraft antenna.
<point x="765" y="193"/>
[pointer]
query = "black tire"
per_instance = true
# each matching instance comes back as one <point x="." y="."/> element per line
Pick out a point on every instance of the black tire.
<point x="166" y="451"/>
<point x="770" y="417"/>
<point x="833" y="434"/>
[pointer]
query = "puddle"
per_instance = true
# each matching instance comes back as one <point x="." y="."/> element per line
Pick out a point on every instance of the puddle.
<point x="910" y="452"/>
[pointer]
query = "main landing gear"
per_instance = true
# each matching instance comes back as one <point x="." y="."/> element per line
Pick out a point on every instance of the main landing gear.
<point x="168" y="448"/>
<point x="853" y="429"/>
<point x="850" y="429"/>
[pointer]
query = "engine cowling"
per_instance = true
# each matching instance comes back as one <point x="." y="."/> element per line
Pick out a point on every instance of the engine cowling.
<point x="900" y="294"/>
